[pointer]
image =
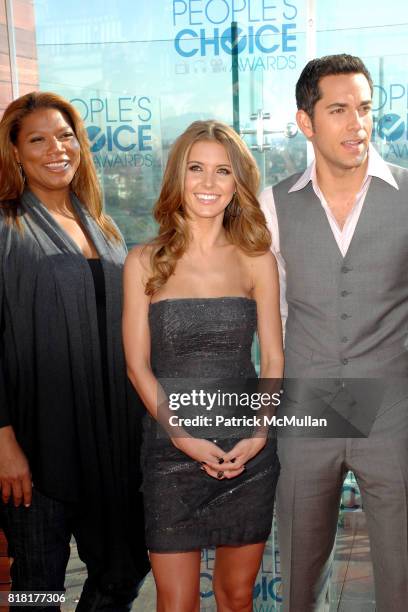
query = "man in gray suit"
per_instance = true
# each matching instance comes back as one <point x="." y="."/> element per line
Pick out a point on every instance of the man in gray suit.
<point x="340" y="235"/>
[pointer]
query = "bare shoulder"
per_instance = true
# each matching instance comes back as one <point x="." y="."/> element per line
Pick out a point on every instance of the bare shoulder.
<point x="139" y="256"/>
<point x="259" y="264"/>
<point x="138" y="261"/>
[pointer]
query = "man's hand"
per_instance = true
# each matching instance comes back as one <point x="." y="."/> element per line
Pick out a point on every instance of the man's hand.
<point x="15" y="475"/>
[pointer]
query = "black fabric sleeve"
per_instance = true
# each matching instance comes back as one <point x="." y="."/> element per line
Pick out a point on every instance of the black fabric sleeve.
<point x="4" y="405"/>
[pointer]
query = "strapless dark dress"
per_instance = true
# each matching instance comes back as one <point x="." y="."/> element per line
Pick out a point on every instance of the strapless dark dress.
<point x="186" y="509"/>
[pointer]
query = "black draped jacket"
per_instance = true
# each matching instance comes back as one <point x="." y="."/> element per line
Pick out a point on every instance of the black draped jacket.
<point x="81" y="448"/>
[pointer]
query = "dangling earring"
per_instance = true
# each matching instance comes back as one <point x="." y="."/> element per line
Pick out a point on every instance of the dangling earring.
<point x="233" y="208"/>
<point x="23" y="176"/>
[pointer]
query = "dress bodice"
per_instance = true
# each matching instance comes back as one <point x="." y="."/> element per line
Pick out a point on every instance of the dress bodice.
<point x="202" y="337"/>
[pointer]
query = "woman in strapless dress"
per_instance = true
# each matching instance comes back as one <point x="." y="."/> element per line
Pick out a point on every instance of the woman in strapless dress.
<point x="194" y="297"/>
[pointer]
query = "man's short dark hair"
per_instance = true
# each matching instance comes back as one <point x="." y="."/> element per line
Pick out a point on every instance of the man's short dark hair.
<point x="307" y="87"/>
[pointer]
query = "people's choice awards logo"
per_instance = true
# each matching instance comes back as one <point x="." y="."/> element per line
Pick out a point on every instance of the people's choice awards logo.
<point x="391" y="127"/>
<point x="265" y="36"/>
<point x="96" y="137"/>
<point x="119" y="129"/>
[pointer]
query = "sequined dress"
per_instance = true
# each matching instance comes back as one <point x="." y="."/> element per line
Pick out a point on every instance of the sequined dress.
<point x="185" y="508"/>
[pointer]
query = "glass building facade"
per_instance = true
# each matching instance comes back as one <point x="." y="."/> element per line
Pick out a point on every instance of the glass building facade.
<point x="140" y="71"/>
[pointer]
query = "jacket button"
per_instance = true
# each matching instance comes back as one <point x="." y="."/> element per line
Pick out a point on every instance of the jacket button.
<point x="345" y="293"/>
<point x="345" y="269"/>
<point x="344" y="316"/>
<point x="344" y="339"/>
<point x="344" y="361"/>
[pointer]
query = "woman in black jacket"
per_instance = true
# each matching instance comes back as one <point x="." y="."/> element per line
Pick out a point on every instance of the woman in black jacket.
<point x="69" y="421"/>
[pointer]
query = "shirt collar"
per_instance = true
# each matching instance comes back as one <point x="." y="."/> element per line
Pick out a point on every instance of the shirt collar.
<point x="376" y="167"/>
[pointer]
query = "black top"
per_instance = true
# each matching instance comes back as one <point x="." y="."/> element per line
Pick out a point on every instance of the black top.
<point x="100" y="298"/>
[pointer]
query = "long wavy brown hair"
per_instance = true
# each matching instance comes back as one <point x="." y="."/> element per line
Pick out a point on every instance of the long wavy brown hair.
<point x="85" y="182"/>
<point x="244" y="221"/>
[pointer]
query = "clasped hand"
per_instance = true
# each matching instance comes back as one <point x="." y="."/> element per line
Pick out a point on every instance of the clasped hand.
<point x="216" y="462"/>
